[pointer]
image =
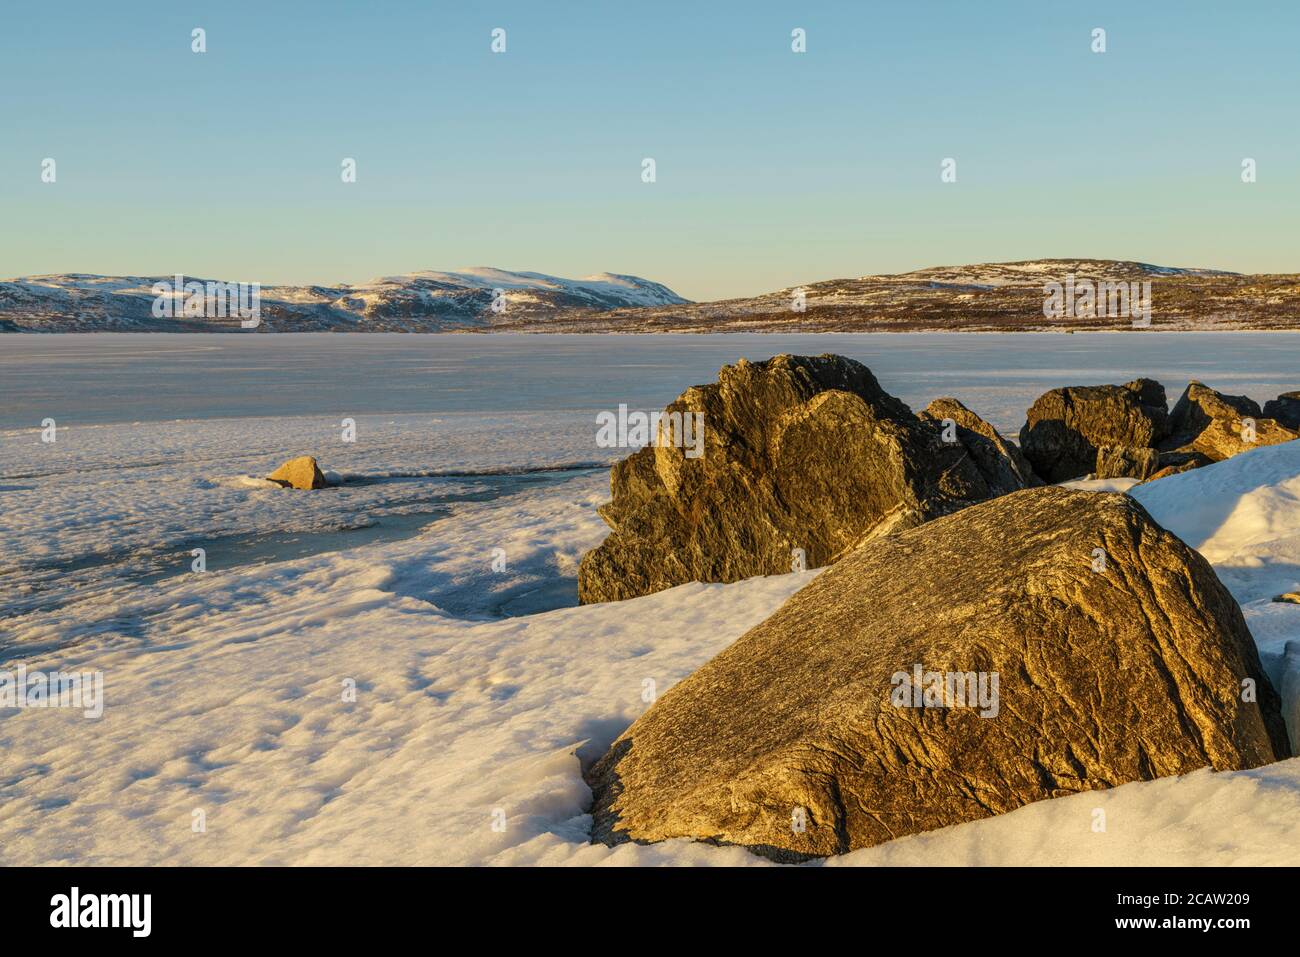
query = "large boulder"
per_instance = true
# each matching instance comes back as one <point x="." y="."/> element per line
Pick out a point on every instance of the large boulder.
<point x="1215" y="424"/>
<point x="1065" y="427"/>
<point x="301" y="473"/>
<point x="1285" y="409"/>
<point x="799" y="453"/>
<point x="999" y="461"/>
<point x="1118" y="657"/>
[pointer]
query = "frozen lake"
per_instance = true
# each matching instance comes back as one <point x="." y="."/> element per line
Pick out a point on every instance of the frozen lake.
<point x="163" y="440"/>
<point x="101" y="378"/>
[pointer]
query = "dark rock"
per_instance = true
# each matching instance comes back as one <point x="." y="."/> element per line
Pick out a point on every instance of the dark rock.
<point x="1214" y="424"/>
<point x="999" y="461"/>
<point x="1123" y="461"/>
<point x="799" y="453"/>
<point x="1125" y="674"/>
<point x="1175" y="463"/>
<point x="1285" y="410"/>
<point x="1065" y="427"/>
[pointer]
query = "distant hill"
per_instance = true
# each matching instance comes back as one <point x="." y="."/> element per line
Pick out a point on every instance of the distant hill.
<point x="982" y="297"/>
<point x="415" y="302"/>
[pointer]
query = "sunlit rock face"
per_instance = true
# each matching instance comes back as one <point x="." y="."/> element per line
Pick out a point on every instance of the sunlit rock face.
<point x="1078" y="645"/>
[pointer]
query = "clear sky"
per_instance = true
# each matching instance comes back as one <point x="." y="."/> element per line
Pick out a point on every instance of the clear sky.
<point x="773" y="168"/>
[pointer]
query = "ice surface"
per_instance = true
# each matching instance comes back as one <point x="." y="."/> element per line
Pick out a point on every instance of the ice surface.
<point x="112" y="377"/>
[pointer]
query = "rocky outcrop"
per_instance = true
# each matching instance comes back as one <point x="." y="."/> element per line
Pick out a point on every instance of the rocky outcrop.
<point x="848" y="717"/>
<point x="799" y="453"/>
<point x="1004" y="468"/>
<point x="1126" y="432"/>
<point x="1220" y="426"/>
<point x="1285" y="410"/>
<point x="1065" y="427"/>
<point x="301" y="473"/>
<point x="1122" y="461"/>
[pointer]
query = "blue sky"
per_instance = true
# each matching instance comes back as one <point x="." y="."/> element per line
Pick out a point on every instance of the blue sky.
<point x="773" y="168"/>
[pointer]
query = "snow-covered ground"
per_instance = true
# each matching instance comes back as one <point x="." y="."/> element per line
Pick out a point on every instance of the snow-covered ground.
<point x="105" y="506"/>
<point x="407" y="698"/>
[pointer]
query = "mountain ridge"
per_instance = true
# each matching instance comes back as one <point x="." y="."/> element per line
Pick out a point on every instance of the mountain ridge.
<point x="1006" y="296"/>
<point x="980" y="297"/>
<point x="424" y="301"/>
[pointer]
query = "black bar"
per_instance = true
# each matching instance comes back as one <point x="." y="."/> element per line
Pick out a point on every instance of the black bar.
<point x="667" y="907"/>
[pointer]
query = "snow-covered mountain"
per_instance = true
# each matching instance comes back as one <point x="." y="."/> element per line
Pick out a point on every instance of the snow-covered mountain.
<point x="426" y="301"/>
<point x="979" y="297"/>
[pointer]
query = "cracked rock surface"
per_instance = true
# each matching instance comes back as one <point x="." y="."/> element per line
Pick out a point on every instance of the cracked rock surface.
<point x="1122" y="461"/>
<point x="1104" y="677"/>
